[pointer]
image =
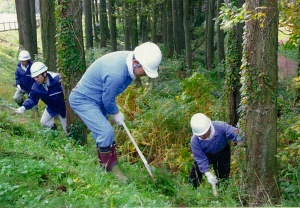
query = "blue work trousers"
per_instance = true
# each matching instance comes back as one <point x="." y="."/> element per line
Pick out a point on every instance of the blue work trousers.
<point x="94" y="116"/>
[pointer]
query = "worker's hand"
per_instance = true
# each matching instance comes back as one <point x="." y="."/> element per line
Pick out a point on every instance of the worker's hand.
<point x="20" y="110"/>
<point x="119" y="118"/>
<point x="211" y="178"/>
<point x="19" y="87"/>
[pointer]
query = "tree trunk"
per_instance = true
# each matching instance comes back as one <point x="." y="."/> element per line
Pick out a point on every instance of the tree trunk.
<point x="134" y="29"/>
<point x="25" y="26"/>
<point x="112" y="25"/>
<point x="259" y="90"/>
<point x="144" y="28"/>
<point x="127" y="25"/>
<point x="170" y="40"/>
<point x="175" y="27"/>
<point x="71" y="59"/>
<point x="33" y="25"/>
<point x="95" y="23"/>
<point x="186" y="23"/>
<point x="210" y="15"/>
<point x="233" y="64"/>
<point x="104" y="32"/>
<point x="48" y="28"/>
<point x="221" y="37"/>
<point x="88" y="24"/>
<point x="154" y="22"/>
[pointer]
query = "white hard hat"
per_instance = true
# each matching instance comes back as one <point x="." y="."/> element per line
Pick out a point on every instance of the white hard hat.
<point x="37" y="68"/>
<point x="149" y="56"/>
<point x="24" y="56"/>
<point x="200" y="124"/>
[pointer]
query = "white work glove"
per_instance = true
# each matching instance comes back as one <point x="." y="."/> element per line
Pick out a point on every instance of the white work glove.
<point x="119" y="118"/>
<point x="211" y="178"/>
<point x="20" y="110"/>
<point x="19" y="87"/>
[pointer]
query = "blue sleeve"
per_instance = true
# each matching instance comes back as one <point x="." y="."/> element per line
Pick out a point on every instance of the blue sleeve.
<point x="231" y="132"/>
<point x="199" y="156"/>
<point x="31" y="101"/>
<point x="17" y="77"/>
<point x="110" y="89"/>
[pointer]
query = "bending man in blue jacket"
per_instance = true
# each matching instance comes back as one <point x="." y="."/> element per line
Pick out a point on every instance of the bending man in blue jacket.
<point x="210" y="145"/>
<point x="47" y="87"/>
<point x="94" y="97"/>
<point x="24" y="81"/>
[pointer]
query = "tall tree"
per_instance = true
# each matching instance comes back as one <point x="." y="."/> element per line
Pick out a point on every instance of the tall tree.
<point x="259" y="88"/>
<point x="154" y="21"/>
<point x="143" y="14"/>
<point x="71" y="58"/>
<point x="112" y="25"/>
<point x="175" y="25"/>
<point x="127" y="25"/>
<point x="210" y="15"/>
<point x="88" y="24"/>
<point x="134" y="26"/>
<point x="220" y="37"/>
<point x="169" y="38"/>
<point x="233" y="64"/>
<point x="27" y="32"/>
<point x="48" y="28"/>
<point x="95" y="23"/>
<point x="104" y="31"/>
<point x="187" y="32"/>
<point x="33" y="25"/>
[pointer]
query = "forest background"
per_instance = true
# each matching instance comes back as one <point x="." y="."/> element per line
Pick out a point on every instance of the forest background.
<point x="41" y="167"/>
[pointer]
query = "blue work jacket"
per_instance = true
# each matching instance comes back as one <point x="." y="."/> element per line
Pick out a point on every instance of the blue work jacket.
<point x="23" y="78"/>
<point x="223" y="134"/>
<point x="105" y="79"/>
<point x="53" y="98"/>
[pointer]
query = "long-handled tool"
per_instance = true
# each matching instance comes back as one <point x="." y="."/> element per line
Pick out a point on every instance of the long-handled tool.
<point x="138" y="150"/>
<point x="6" y="106"/>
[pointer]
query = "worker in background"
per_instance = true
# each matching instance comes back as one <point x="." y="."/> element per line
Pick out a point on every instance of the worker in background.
<point x="210" y="146"/>
<point x="48" y="88"/>
<point x="23" y="78"/>
<point x="94" y="97"/>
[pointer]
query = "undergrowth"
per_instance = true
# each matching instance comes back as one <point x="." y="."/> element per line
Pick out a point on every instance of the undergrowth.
<point x="41" y="167"/>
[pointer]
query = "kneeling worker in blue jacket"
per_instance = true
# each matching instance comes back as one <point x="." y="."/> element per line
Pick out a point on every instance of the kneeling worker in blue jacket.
<point x="94" y="97"/>
<point x="48" y="88"/>
<point x="210" y="145"/>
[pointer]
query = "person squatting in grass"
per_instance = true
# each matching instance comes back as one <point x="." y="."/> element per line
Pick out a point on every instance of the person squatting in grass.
<point x="23" y="78"/>
<point x="210" y="145"/>
<point x="48" y="88"/>
<point x="94" y="97"/>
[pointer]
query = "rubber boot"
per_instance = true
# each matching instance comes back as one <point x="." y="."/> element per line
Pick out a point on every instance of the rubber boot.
<point x="107" y="157"/>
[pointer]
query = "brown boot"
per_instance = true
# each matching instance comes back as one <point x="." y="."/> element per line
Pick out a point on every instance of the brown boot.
<point x="107" y="157"/>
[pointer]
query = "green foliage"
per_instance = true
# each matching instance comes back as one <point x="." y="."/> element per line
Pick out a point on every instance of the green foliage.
<point x="40" y="167"/>
<point x="70" y="62"/>
<point x="77" y="132"/>
<point x="230" y="15"/>
<point x="290" y="21"/>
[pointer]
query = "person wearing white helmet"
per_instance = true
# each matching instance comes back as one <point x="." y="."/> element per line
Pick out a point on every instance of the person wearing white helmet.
<point x="24" y="81"/>
<point x="94" y="97"/>
<point x="210" y="146"/>
<point x="48" y="88"/>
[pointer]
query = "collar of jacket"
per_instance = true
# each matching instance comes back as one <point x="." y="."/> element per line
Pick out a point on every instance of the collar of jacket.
<point x="129" y="65"/>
